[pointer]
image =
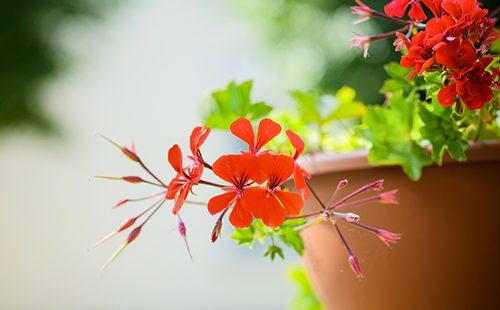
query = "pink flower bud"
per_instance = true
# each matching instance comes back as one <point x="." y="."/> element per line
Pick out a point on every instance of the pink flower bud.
<point x="130" y="154"/>
<point x="353" y="262"/>
<point x="362" y="10"/>
<point x="182" y="228"/>
<point x="342" y="184"/>
<point x="389" y="197"/>
<point x="362" y="42"/>
<point x="352" y="217"/>
<point x="377" y="185"/>
<point x="400" y="42"/>
<point x="133" y="234"/>
<point x="216" y="231"/>
<point x="387" y="237"/>
<point x="133" y="179"/>
<point x="126" y="224"/>
<point x="120" y="203"/>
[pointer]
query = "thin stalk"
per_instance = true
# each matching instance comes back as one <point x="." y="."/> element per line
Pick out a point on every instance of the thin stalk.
<point x="211" y="183"/>
<point x="151" y="173"/>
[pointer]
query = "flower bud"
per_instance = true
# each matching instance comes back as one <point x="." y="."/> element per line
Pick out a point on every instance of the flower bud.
<point x="342" y="184"/>
<point x="130" y="154"/>
<point x="377" y="185"/>
<point x="120" y="203"/>
<point x="352" y="217"/>
<point x="387" y="237"/>
<point x="216" y="231"/>
<point x="182" y="228"/>
<point x="355" y="266"/>
<point x="133" y="179"/>
<point x="133" y="234"/>
<point x="389" y="197"/>
<point x="126" y="224"/>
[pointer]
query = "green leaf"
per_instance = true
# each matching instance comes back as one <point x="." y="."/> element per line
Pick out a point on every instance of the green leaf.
<point x="292" y="238"/>
<point x="396" y="71"/>
<point x="307" y="104"/>
<point x="390" y="132"/>
<point x="397" y="80"/>
<point x="442" y="132"/>
<point x="244" y="236"/>
<point x="274" y="250"/>
<point x="305" y="298"/>
<point x="232" y="103"/>
<point x="348" y="107"/>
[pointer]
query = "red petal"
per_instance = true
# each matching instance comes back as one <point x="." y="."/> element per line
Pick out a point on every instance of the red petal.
<point x="256" y="200"/>
<point x="447" y="95"/>
<point x="240" y="217"/>
<point x="268" y="129"/>
<point x="292" y="202"/>
<point x="180" y="200"/>
<point x="173" y="187"/>
<point x="175" y="158"/>
<point x="277" y="165"/>
<point x="300" y="181"/>
<point x="275" y="217"/>
<point x="218" y="203"/>
<point x="447" y="55"/>
<point x="198" y="137"/>
<point x="396" y="8"/>
<point x="416" y="12"/>
<point x="296" y="141"/>
<point x="242" y="128"/>
<point x="235" y="169"/>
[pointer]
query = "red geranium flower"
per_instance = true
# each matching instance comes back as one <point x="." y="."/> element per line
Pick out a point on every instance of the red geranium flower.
<point x="419" y="57"/>
<point x="268" y="129"/>
<point x="181" y="185"/>
<point x="464" y="12"/>
<point x="270" y="203"/>
<point x="437" y="29"/>
<point x="398" y="8"/>
<point x="457" y="56"/>
<point x="235" y="169"/>
<point x="474" y="88"/>
<point x="299" y="174"/>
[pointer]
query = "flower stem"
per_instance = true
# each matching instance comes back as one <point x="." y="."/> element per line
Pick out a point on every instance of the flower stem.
<point x="211" y="183"/>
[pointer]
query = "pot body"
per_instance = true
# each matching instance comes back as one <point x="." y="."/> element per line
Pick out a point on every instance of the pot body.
<point x="448" y="258"/>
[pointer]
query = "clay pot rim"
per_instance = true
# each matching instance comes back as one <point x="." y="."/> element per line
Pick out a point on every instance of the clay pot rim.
<point x="321" y="163"/>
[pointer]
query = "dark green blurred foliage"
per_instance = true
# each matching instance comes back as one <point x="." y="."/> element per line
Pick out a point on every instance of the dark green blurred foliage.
<point x="319" y="32"/>
<point x="29" y="56"/>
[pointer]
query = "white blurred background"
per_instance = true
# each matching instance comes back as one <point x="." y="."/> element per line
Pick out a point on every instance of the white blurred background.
<point x="140" y="75"/>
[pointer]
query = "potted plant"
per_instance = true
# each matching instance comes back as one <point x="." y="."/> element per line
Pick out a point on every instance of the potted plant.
<point x="439" y="117"/>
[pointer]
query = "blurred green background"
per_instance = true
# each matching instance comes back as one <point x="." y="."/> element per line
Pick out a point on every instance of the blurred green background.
<point x="30" y="56"/>
<point x="307" y="42"/>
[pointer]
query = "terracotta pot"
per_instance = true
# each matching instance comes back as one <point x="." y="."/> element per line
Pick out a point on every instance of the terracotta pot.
<point x="449" y="257"/>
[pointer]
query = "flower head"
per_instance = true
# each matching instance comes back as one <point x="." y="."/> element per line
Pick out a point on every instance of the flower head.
<point x="237" y="170"/>
<point x="180" y="186"/>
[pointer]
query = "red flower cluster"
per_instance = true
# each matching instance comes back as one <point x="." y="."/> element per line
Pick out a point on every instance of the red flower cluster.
<point x="252" y="187"/>
<point x="454" y="41"/>
<point x="254" y="177"/>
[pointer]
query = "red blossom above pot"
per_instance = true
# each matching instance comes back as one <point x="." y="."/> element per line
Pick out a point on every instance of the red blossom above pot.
<point x="252" y="187"/>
